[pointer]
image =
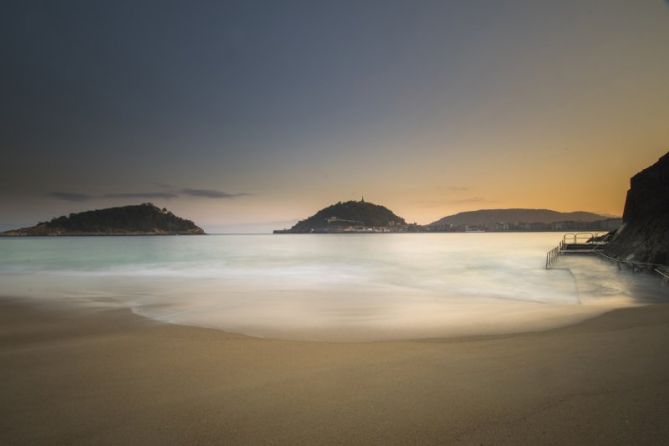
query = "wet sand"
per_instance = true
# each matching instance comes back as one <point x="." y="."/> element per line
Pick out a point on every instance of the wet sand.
<point x="90" y="376"/>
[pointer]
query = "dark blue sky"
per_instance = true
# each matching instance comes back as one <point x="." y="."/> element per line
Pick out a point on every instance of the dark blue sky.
<point x="259" y="112"/>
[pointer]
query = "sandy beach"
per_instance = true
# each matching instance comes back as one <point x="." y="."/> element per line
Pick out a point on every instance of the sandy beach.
<point x="91" y="376"/>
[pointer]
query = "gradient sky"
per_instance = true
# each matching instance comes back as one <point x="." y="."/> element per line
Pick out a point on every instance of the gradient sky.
<point x="245" y="116"/>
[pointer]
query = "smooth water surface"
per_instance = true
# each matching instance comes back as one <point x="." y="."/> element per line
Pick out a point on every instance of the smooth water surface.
<point x="327" y="287"/>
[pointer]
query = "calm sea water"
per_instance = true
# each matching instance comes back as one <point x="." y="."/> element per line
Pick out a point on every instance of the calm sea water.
<point x="327" y="287"/>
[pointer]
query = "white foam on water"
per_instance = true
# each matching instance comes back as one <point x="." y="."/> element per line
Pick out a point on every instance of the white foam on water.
<point x="328" y="287"/>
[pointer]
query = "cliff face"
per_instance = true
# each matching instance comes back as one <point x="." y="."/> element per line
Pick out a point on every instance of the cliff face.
<point x="644" y="236"/>
<point x="143" y="219"/>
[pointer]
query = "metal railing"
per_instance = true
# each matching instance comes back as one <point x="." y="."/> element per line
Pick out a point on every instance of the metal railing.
<point x="662" y="274"/>
<point x="574" y="243"/>
<point x="661" y="270"/>
<point x="587" y="243"/>
<point x="552" y="255"/>
<point x="578" y="237"/>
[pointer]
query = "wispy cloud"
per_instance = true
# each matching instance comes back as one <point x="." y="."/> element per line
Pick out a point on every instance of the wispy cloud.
<point x="470" y="200"/>
<point x="459" y="188"/>
<point x="210" y="193"/>
<point x="165" y="195"/>
<point x="69" y="196"/>
<point x="454" y="201"/>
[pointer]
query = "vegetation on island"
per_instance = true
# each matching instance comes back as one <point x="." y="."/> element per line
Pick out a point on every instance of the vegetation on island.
<point x="350" y="216"/>
<point x="142" y="219"/>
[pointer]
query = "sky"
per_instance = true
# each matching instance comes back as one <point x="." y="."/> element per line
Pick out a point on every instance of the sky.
<point x="246" y="116"/>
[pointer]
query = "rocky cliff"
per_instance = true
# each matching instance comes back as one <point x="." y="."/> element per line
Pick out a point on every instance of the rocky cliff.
<point x="142" y="219"/>
<point x="644" y="235"/>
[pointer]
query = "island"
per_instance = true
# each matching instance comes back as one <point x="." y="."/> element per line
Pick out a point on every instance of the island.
<point x="141" y="219"/>
<point x="351" y="217"/>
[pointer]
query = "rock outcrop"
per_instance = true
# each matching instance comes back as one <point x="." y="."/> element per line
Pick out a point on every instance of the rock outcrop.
<point x="142" y="219"/>
<point x="644" y="235"/>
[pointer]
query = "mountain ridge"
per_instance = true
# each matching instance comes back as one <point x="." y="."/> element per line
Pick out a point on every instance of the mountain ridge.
<point x="489" y="218"/>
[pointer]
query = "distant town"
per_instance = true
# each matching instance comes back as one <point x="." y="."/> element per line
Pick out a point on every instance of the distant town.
<point x="352" y="227"/>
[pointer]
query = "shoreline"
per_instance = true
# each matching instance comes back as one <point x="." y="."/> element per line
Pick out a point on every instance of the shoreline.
<point x="90" y="308"/>
<point x="566" y="320"/>
<point x="107" y="376"/>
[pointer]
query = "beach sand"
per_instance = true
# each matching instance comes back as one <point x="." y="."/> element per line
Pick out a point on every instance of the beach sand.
<point x="72" y="375"/>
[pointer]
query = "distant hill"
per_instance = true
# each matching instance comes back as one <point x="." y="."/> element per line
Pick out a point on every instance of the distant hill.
<point x="142" y="219"/>
<point x="491" y="219"/>
<point x="350" y="215"/>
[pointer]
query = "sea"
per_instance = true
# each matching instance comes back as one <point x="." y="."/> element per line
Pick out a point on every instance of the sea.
<point x="328" y="287"/>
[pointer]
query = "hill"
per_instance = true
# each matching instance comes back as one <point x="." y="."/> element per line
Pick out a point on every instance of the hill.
<point x="523" y="219"/>
<point x="142" y="219"/>
<point x="350" y="216"/>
